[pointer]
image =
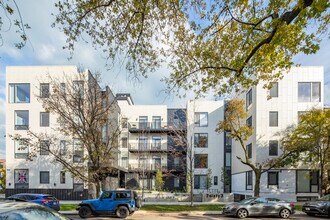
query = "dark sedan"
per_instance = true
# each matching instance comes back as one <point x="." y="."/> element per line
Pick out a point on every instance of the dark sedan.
<point x="261" y="206"/>
<point x="319" y="207"/>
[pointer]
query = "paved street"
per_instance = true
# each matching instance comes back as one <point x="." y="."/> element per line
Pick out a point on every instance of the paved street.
<point x="195" y="217"/>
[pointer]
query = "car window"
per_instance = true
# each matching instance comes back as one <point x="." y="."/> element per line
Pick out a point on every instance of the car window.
<point x="123" y="195"/>
<point x="107" y="195"/>
<point x="49" y="197"/>
<point x="260" y="200"/>
<point x="273" y="200"/>
<point x="246" y="201"/>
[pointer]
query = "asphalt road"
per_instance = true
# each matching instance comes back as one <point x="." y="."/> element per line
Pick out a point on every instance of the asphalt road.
<point x="196" y="217"/>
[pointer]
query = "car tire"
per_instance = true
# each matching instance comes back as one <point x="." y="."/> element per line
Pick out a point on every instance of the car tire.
<point x="85" y="212"/>
<point x="285" y="213"/>
<point x="242" y="213"/>
<point x="122" y="212"/>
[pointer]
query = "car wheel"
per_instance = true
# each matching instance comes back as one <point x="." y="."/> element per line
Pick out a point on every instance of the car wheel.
<point x="285" y="213"/>
<point x="122" y="212"/>
<point x="85" y="212"/>
<point x="242" y="213"/>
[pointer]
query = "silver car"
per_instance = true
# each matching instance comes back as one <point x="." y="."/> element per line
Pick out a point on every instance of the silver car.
<point x="260" y="206"/>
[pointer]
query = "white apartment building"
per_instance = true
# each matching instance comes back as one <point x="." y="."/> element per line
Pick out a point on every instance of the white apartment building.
<point x="299" y="90"/>
<point x="23" y="112"/>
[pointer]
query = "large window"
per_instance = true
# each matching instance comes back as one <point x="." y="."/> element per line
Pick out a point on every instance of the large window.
<point x="273" y="92"/>
<point x="21" y="119"/>
<point x="309" y="91"/>
<point x="143" y="122"/>
<point x="44" y="119"/>
<point x="156" y="142"/>
<point x="21" y="177"/>
<point x="248" y="180"/>
<point x="249" y="150"/>
<point x="200" y="181"/>
<point x="143" y="142"/>
<point x="44" y="90"/>
<point x="78" y="151"/>
<point x="272" y="178"/>
<point x="273" y="148"/>
<point x="62" y="177"/>
<point x="249" y="121"/>
<point x="21" y="149"/>
<point x="19" y="93"/>
<point x="273" y="119"/>
<point x="201" y="140"/>
<point x="44" y="147"/>
<point x="201" y="119"/>
<point x="201" y="160"/>
<point x="44" y="177"/>
<point x="307" y="181"/>
<point x="156" y="122"/>
<point x="248" y="100"/>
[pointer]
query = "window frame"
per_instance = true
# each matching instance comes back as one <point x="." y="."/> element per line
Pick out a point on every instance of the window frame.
<point x="42" y="151"/>
<point x="249" y="121"/>
<point x="249" y="150"/>
<point x="276" y="178"/>
<point x="274" y="85"/>
<point x="40" y="179"/>
<point x="199" y="135"/>
<point x="269" y="146"/>
<point x="198" y="165"/>
<point x="197" y="179"/>
<point x="248" y="179"/>
<point x="198" y="122"/>
<point x="62" y="177"/>
<point x="271" y="124"/>
<point x="43" y="92"/>
<point x="309" y="98"/>
<point x="248" y="99"/>
<point x="23" y="155"/>
<point x="44" y="113"/>
<point x="21" y="126"/>
<point x="13" y="93"/>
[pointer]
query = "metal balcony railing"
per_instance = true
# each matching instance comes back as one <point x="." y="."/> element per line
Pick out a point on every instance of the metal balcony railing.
<point x="155" y="126"/>
<point x="146" y="167"/>
<point x="147" y="147"/>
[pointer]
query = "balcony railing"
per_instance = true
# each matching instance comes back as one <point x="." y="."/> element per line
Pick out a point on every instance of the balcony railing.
<point x="147" y="147"/>
<point x="146" y="167"/>
<point x="153" y="127"/>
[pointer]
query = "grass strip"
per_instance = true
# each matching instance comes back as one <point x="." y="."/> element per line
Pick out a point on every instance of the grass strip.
<point x="68" y="207"/>
<point x="179" y="208"/>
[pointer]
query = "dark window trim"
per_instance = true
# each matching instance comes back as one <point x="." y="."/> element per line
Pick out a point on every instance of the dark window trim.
<point x="248" y="99"/>
<point x="207" y="139"/>
<point x="269" y="151"/>
<point x="207" y="162"/>
<point x="9" y="92"/>
<point x="41" y="119"/>
<point x="42" y="95"/>
<point x="310" y="185"/>
<point x="246" y="180"/>
<point x="277" y="179"/>
<point x="276" y="121"/>
<point x="40" y="177"/>
<point x="249" y="150"/>
<point x="199" y="123"/>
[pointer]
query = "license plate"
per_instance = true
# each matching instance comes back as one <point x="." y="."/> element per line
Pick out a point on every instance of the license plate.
<point x="308" y="209"/>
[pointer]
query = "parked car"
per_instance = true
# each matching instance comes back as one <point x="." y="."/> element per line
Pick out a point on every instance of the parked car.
<point x="260" y="206"/>
<point x="42" y="199"/>
<point x="320" y="206"/>
<point x="10" y="209"/>
<point x="119" y="202"/>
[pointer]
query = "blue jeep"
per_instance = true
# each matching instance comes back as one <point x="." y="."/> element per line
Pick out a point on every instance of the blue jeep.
<point x="119" y="202"/>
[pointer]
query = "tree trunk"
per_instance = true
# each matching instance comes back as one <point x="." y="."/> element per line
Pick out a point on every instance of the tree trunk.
<point x="257" y="183"/>
<point x="321" y="181"/>
<point x="97" y="188"/>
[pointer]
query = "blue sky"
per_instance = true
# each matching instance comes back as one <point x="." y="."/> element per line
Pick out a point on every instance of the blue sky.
<point x="45" y="48"/>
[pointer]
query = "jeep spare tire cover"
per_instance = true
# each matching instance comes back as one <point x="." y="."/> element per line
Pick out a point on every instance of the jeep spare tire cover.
<point x="138" y="202"/>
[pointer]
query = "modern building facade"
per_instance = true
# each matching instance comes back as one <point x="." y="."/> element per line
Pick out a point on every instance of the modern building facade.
<point x="270" y="112"/>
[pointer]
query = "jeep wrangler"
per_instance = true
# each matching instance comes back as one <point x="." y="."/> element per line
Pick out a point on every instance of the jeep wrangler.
<point x="119" y="202"/>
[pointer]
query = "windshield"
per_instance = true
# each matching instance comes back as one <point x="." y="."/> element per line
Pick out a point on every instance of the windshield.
<point x="246" y="201"/>
<point x="325" y="198"/>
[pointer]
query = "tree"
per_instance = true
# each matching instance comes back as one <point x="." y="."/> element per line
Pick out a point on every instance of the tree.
<point x="210" y="45"/>
<point x="311" y="139"/>
<point x="86" y="138"/>
<point x="209" y="179"/>
<point x="9" y="20"/>
<point x="234" y="124"/>
<point x="2" y="179"/>
<point x="159" y="182"/>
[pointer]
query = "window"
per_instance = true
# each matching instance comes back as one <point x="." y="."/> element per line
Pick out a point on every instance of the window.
<point x="309" y="92"/>
<point x="123" y="195"/>
<point x="19" y="93"/>
<point x="215" y="180"/>
<point x="249" y="150"/>
<point x="44" y="119"/>
<point x="78" y="87"/>
<point x="176" y="182"/>
<point x="104" y="132"/>
<point x="21" y="177"/>
<point x="124" y="162"/>
<point x="272" y="178"/>
<point x="273" y="92"/>
<point x="44" y="177"/>
<point x="176" y="162"/>
<point x="21" y="120"/>
<point x="21" y="149"/>
<point x="273" y="148"/>
<point x="201" y="140"/>
<point x="201" y="160"/>
<point x="228" y="140"/>
<point x="62" y="177"/>
<point x="273" y="119"/>
<point x="156" y="122"/>
<point x="143" y="122"/>
<point x="200" y="181"/>
<point x="156" y="142"/>
<point x="143" y="142"/>
<point x="249" y="121"/>
<point x="307" y="181"/>
<point x="44" y="90"/>
<point x="228" y="159"/>
<point x="124" y="142"/>
<point x="124" y="123"/>
<point x="63" y="147"/>
<point x="248" y="100"/>
<point x="249" y="180"/>
<point x="78" y="151"/>
<point x="62" y="88"/>
<point x="78" y="185"/>
<point x="44" y="147"/>
<point x="201" y="119"/>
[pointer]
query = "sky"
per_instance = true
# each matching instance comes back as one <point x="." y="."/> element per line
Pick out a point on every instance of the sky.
<point x="45" y="48"/>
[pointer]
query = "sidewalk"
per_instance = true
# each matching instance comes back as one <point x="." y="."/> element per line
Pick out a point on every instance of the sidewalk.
<point x="157" y="203"/>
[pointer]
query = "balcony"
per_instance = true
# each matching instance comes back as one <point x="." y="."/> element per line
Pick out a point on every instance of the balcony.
<point x="150" y="148"/>
<point x="153" y="127"/>
<point x="146" y="167"/>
